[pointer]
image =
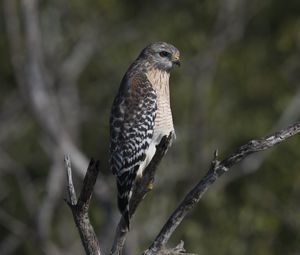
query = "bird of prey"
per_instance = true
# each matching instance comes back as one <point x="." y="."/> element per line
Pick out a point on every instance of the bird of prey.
<point x="140" y="116"/>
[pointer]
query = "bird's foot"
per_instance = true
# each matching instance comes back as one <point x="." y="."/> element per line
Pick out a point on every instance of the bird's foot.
<point x="150" y="186"/>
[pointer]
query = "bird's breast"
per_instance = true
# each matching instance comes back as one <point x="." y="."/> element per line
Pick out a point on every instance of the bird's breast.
<point x="163" y="121"/>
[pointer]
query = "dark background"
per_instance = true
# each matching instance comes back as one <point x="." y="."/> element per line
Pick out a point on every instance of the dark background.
<point x="60" y="67"/>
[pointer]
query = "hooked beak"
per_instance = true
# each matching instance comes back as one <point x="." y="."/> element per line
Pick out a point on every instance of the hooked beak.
<point x="176" y="60"/>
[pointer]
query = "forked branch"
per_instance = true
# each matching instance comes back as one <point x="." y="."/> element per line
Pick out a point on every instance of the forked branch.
<point x="158" y="247"/>
<point x="80" y="207"/>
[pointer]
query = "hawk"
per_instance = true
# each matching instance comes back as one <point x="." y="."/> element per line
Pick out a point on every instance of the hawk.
<point x="140" y="116"/>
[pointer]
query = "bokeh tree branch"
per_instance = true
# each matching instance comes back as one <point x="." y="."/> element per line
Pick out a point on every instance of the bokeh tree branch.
<point x="48" y="105"/>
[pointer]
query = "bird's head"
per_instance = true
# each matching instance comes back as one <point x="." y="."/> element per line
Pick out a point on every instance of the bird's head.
<point x="161" y="55"/>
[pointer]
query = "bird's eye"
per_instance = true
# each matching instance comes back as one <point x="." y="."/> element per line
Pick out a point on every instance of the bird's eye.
<point x="164" y="54"/>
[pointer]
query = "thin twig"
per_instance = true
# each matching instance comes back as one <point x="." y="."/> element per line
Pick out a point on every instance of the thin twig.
<point x="215" y="171"/>
<point x="71" y="189"/>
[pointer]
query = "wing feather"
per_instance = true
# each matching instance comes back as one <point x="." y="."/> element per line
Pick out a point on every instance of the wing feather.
<point x="131" y="130"/>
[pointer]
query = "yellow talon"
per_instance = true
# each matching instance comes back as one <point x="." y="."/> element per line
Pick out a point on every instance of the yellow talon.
<point x="150" y="186"/>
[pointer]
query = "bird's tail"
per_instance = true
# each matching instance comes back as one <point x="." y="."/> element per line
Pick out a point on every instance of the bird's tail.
<point x="124" y="195"/>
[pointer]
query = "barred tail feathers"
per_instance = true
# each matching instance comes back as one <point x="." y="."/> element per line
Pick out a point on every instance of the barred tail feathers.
<point x="125" y="185"/>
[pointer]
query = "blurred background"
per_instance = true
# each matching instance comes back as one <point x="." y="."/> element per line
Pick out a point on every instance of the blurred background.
<point x="60" y="67"/>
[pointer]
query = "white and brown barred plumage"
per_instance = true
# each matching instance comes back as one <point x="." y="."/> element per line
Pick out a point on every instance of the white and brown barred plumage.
<point x="140" y="117"/>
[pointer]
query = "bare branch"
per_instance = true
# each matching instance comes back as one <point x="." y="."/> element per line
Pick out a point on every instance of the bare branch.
<point x="216" y="170"/>
<point x="254" y="162"/>
<point x="80" y="208"/>
<point x="139" y="192"/>
<point x="71" y="189"/>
